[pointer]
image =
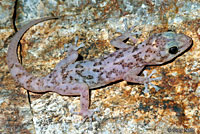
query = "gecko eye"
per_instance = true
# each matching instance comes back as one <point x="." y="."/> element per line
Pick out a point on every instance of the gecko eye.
<point x="173" y="50"/>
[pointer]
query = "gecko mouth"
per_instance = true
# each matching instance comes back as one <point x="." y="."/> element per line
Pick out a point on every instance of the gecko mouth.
<point x="187" y="42"/>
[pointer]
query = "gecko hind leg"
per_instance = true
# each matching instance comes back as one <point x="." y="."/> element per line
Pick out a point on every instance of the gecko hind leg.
<point x="81" y="89"/>
<point x="84" y="98"/>
<point x="72" y="54"/>
<point x="85" y="112"/>
<point x="120" y="42"/>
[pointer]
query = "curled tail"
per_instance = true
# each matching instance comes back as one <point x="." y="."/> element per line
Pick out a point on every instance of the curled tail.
<point x="27" y="80"/>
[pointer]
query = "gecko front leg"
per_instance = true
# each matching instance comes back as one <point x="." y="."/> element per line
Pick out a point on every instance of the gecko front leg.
<point x="132" y="76"/>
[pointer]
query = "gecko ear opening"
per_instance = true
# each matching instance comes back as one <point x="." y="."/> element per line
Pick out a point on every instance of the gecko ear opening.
<point x="173" y="50"/>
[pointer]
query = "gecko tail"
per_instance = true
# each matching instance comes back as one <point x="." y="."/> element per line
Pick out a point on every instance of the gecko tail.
<point x="27" y="80"/>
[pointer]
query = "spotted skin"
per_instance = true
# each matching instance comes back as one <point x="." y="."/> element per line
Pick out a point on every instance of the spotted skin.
<point x="71" y="77"/>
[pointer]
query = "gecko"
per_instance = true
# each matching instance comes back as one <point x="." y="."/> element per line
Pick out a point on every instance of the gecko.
<point x="71" y="77"/>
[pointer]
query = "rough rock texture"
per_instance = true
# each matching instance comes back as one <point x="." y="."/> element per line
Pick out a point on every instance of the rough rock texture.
<point x="123" y="106"/>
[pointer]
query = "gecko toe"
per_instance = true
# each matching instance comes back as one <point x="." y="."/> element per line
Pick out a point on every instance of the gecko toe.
<point x="148" y="81"/>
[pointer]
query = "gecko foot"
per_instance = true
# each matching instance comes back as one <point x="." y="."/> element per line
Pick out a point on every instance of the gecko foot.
<point x="127" y="32"/>
<point x="86" y="113"/>
<point x="69" y="47"/>
<point x="149" y="80"/>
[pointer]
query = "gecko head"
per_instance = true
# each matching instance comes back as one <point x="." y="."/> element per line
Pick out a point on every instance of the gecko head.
<point x="168" y="45"/>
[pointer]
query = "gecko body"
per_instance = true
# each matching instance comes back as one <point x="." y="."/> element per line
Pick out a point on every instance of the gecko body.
<point x="71" y="77"/>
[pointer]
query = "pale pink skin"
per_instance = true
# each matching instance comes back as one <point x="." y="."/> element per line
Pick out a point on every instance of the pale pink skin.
<point x="71" y="77"/>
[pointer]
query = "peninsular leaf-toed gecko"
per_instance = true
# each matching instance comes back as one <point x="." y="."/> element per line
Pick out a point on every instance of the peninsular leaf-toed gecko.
<point x="71" y="77"/>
